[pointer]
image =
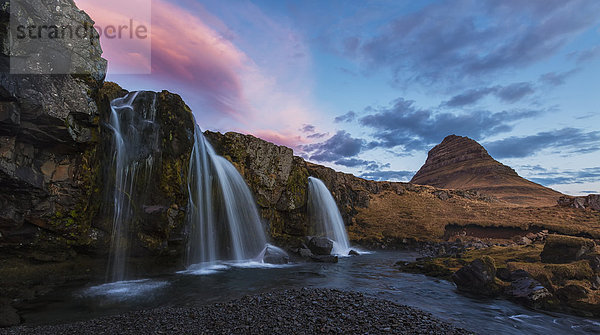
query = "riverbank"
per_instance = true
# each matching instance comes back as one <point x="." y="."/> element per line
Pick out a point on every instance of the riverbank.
<point x="299" y="311"/>
<point x="555" y="273"/>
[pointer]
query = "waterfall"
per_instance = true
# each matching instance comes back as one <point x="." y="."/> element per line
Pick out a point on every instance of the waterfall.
<point x="223" y="219"/>
<point x="325" y="215"/>
<point x="134" y="140"/>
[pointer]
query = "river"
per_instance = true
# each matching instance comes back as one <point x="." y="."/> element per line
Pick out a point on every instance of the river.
<point x="373" y="274"/>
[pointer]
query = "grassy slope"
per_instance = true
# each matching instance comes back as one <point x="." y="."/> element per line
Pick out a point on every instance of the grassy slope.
<point x="423" y="216"/>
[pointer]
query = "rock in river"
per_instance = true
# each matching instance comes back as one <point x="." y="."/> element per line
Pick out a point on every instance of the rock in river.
<point x="320" y="245"/>
<point x="477" y="277"/>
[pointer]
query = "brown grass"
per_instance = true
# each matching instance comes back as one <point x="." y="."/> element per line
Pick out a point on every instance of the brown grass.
<point x="423" y="216"/>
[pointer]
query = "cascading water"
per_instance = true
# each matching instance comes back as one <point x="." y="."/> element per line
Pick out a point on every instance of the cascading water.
<point x="135" y="140"/>
<point x="325" y="215"/>
<point x="222" y="216"/>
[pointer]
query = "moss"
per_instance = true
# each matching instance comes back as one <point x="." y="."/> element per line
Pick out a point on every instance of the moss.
<point x="569" y="241"/>
<point x="297" y="186"/>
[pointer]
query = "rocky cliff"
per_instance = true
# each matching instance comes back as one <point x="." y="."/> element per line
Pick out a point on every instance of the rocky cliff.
<point x="591" y="201"/>
<point x="379" y="214"/>
<point x="56" y="179"/>
<point x="462" y="163"/>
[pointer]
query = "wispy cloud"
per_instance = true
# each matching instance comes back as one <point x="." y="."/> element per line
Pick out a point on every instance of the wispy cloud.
<point x="565" y="139"/>
<point x="468" y="38"/>
<point x="348" y="117"/>
<point x="229" y="86"/>
<point x="508" y="94"/>
<point x="550" y="177"/>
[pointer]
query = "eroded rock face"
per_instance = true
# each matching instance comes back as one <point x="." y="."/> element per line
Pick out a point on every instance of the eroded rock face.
<point x="462" y="163"/>
<point x="278" y="179"/>
<point x="159" y="195"/>
<point x="591" y="201"/>
<point x="49" y="130"/>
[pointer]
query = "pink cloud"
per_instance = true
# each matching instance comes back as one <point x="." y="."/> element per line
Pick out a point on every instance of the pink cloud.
<point x="224" y="85"/>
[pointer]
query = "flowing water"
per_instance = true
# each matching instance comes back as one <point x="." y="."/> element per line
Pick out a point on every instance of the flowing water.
<point x="223" y="218"/>
<point x="134" y="140"/>
<point x="373" y="274"/>
<point x="325" y="216"/>
<point x="223" y="221"/>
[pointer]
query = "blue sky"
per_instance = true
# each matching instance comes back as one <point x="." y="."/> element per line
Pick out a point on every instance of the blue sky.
<point x="368" y="87"/>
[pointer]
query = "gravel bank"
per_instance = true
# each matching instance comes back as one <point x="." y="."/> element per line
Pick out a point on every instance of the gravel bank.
<point x="303" y="311"/>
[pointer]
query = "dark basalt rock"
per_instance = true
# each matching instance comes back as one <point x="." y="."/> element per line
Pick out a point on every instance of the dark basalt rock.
<point x="526" y="290"/>
<point x="320" y="246"/>
<point x="477" y="278"/>
<point x="565" y="249"/>
<point x="49" y="132"/>
<point x="571" y="293"/>
<point x="275" y="256"/>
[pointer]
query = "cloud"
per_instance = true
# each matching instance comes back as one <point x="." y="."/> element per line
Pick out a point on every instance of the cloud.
<point x="403" y="124"/>
<point x="514" y="92"/>
<point x="587" y="55"/>
<point x="348" y="117"/>
<point x="339" y="146"/>
<point x="317" y="135"/>
<point x="572" y="139"/>
<point x="308" y="128"/>
<point x="388" y="175"/>
<point x="361" y="163"/>
<point x="449" y="41"/>
<point x="469" y="97"/>
<point x="509" y="94"/>
<point x="557" y="78"/>
<point x="557" y="177"/>
<point x="221" y="70"/>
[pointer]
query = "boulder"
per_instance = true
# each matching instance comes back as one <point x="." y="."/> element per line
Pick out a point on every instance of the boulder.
<point x="320" y="245"/>
<point x="274" y="255"/>
<point x="560" y="249"/>
<point x="477" y="278"/>
<point x="353" y="253"/>
<point x="8" y="315"/>
<point x="572" y="293"/>
<point x="526" y="290"/>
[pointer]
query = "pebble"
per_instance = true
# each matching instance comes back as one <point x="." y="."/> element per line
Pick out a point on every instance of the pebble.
<point x="300" y="311"/>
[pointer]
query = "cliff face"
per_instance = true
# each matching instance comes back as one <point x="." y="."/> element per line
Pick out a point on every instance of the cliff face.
<point x="381" y="214"/>
<point x="461" y="163"/>
<point x="49" y="130"/>
<point x="56" y="178"/>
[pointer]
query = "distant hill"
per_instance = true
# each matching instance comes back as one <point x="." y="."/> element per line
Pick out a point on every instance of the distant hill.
<point x="462" y="163"/>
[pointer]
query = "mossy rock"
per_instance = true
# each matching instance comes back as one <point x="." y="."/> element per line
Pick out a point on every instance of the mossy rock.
<point x="565" y="249"/>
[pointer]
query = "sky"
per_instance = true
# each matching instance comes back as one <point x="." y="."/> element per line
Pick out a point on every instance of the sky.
<point x="368" y="87"/>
